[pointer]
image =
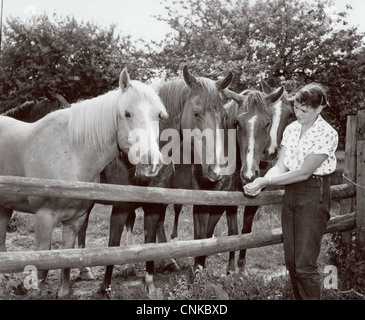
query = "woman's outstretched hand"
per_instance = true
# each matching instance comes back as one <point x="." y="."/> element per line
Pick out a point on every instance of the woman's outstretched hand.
<point x="254" y="188"/>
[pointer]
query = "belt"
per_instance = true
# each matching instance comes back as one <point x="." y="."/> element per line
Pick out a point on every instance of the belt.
<point x="317" y="176"/>
<point x="320" y="178"/>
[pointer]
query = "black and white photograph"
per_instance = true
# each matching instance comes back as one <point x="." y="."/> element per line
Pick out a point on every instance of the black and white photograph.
<point x="182" y="157"/>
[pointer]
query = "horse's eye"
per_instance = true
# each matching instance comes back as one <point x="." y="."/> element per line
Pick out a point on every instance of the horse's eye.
<point x="127" y="114"/>
<point x="197" y="115"/>
<point x="160" y="116"/>
<point x="268" y="124"/>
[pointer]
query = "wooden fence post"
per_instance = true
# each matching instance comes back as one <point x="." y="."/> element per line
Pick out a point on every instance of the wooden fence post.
<point x="360" y="191"/>
<point x="349" y="170"/>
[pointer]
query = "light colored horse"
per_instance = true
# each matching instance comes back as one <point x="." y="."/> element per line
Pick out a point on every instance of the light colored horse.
<point x="76" y="144"/>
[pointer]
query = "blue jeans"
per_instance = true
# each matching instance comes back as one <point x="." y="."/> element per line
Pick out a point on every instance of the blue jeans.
<point x="306" y="210"/>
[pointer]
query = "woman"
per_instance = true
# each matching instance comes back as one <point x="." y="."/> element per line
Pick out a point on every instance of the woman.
<point x="306" y="159"/>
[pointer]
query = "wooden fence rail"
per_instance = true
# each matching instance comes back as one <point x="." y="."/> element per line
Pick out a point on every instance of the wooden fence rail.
<point x="76" y="258"/>
<point x="110" y="192"/>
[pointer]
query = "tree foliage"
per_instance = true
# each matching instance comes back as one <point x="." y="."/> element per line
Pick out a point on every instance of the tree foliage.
<point x="78" y="60"/>
<point x="288" y="42"/>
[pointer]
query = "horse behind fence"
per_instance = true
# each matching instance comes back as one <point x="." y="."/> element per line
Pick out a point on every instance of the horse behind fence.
<point x="76" y="144"/>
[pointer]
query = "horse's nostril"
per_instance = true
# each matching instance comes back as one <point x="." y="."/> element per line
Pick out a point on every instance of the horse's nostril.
<point x="212" y="174"/>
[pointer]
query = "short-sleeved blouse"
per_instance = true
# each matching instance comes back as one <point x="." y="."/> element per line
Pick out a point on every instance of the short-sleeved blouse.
<point x="321" y="138"/>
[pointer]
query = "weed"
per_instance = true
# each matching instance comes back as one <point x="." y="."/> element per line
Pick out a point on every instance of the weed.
<point x="350" y="265"/>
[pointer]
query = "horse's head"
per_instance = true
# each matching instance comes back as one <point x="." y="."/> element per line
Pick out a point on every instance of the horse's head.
<point x="201" y="118"/>
<point x="32" y="111"/>
<point x="139" y="112"/>
<point x="282" y="115"/>
<point x="253" y="122"/>
<point x="55" y="100"/>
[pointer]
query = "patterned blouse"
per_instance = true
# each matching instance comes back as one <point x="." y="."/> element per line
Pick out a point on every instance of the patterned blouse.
<point x="321" y="138"/>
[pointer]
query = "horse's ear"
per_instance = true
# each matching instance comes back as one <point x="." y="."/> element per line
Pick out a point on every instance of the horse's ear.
<point x="233" y="96"/>
<point x="224" y="83"/>
<point x="50" y="95"/>
<point x="275" y="95"/>
<point x="265" y="86"/>
<point x="124" y="80"/>
<point x="190" y="80"/>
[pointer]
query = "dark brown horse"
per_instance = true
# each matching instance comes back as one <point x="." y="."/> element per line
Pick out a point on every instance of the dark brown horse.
<point x="192" y="103"/>
<point x="282" y="115"/>
<point x="249" y="116"/>
<point x="32" y="111"/>
<point x="265" y="139"/>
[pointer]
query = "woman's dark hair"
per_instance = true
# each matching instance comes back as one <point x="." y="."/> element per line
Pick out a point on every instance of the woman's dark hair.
<point x="312" y="95"/>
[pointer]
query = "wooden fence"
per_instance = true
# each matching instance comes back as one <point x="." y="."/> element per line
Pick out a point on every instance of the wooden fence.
<point x="351" y="193"/>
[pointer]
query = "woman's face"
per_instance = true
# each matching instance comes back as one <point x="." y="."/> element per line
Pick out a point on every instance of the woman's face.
<point x="306" y="114"/>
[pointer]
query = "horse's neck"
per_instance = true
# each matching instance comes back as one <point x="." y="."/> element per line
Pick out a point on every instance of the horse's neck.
<point x="36" y="113"/>
<point x="20" y="113"/>
<point x="119" y="170"/>
<point x="96" y="160"/>
<point x="100" y="160"/>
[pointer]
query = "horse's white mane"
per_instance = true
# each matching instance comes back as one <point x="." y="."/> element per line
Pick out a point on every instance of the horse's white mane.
<point x="93" y="123"/>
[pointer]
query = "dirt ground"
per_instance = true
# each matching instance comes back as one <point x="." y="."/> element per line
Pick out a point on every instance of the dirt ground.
<point x="133" y="287"/>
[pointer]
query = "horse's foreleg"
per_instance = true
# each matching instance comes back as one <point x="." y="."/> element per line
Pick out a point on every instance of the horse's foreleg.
<point x="248" y="215"/>
<point x="177" y="210"/>
<point x="70" y="230"/>
<point x="129" y="269"/>
<point x="151" y="220"/>
<point x="214" y="216"/>
<point x="44" y="223"/>
<point x="117" y="222"/>
<point x="85" y="272"/>
<point x="5" y="215"/>
<point x="170" y="264"/>
<point x="231" y="215"/>
<point x="201" y="218"/>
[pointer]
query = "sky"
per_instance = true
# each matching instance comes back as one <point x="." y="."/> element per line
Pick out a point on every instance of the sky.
<point x="133" y="17"/>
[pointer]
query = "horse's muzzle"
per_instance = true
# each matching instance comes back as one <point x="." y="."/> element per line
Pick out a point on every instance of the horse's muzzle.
<point x="245" y="179"/>
<point x="150" y="170"/>
<point x="212" y="175"/>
